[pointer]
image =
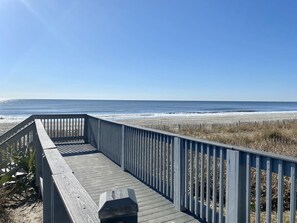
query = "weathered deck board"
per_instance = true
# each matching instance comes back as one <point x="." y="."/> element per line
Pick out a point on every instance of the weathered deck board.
<point x="98" y="174"/>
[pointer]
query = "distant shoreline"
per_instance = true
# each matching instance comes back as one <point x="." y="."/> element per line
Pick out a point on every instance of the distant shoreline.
<point x="178" y="119"/>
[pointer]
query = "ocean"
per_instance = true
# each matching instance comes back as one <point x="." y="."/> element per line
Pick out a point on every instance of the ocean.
<point x="10" y="109"/>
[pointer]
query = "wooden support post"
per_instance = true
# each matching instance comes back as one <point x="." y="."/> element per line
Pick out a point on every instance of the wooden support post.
<point x="86" y="130"/>
<point x="47" y="181"/>
<point x="58" y="211"/>
<point x="235" y="188"/>
<point x="98" y="135"/>
<point x="178" y="182"/>
<point x="38" y="159"/>
<point x="123" y="148"/>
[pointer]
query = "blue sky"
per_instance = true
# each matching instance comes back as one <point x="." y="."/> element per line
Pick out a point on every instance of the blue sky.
<point x="149" y="49"/>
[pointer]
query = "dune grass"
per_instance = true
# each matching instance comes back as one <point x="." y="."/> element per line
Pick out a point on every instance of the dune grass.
<point x="276" y="137"/>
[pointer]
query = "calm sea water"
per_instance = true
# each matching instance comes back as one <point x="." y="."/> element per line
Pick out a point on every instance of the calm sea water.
<point x="24" y="108"/>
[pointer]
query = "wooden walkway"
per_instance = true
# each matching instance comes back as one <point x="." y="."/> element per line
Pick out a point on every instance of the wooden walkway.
<point x="98" y="174"/>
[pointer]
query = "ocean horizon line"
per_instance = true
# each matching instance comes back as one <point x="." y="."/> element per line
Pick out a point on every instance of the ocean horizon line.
<point x="153" y="100"/>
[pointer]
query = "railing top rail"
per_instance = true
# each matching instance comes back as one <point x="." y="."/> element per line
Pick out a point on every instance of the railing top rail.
<point x="44" y="139"/>
<point x="52" y="116"/>
<point x="77" y="201"/>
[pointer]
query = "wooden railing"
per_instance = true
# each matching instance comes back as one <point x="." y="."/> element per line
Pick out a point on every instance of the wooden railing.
<point x="214" y="182"/>
<point x="110" y="141"/>
<point x="64" y="198"/>
<point x="64" y="127"/>
<point x="18" y="142"/>
<point x="16" y="129"/>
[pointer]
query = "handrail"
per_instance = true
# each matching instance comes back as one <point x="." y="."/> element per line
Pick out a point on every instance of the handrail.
<point x="65" y="199"/>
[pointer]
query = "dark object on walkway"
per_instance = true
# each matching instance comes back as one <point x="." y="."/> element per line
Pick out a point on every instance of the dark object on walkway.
<point x="118" y="206"/>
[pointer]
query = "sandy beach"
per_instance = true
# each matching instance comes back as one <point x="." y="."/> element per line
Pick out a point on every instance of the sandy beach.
<point x="221" y="118"/>
<point x="192" y="119"/>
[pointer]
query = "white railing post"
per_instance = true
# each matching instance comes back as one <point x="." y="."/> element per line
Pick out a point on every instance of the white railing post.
<point x="235" y="187"/>
<point x="123" y="148"/>
<point x="177" y="181"/>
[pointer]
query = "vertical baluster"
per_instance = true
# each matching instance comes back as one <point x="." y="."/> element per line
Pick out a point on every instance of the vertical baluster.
<point x="248" y="187"/>
<point x="214" y="187"/>
<point x="196" y="178"/>
<point x="172" y="167"/>
<point x="76" y="129"/>
<point x="145" y="148"/>
<point x="71" y="126"/>
<point x="132" y="150"/>
<point x="221" y="194"/>
<point x="280" y="192"/>
<point x="258" y="189"/>
<point x="148" y="177"/>
<point x="58" y="128"/>
<point x="54" y="128"/>
<point x="154" y="160"/>
<point x="62" y="128"/>
<point x="66" y="127"/>
<point x="126" y="148"/>
<point x="208" y="184"/>
<point x="78" y="132"/>
<point x="80" y="129"/>
<point x="202" y="183"/>
<point x="293" y="193"/>
<point x="147" y="158"/>
<point x="191" y="177"/>
<point x="142" y="149"/>
<point x="28" y="138"/>
<point x="133" y="136"/>
<point x="141" y="154"/>
<point x="159" y="163"/>
<point x="150" y="171"/>
<point x="144" y="156"/>
<point x="268" y="191"/>
<point x="138" y="155"/>
<point x="164" y="164"/>
<point x="167" y="166"/>
<point x="186" y="173"/>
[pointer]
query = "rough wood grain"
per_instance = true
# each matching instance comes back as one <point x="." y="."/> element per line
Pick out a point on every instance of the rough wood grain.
<point x="56" y="162"/>
<point x="79" y="205"/>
